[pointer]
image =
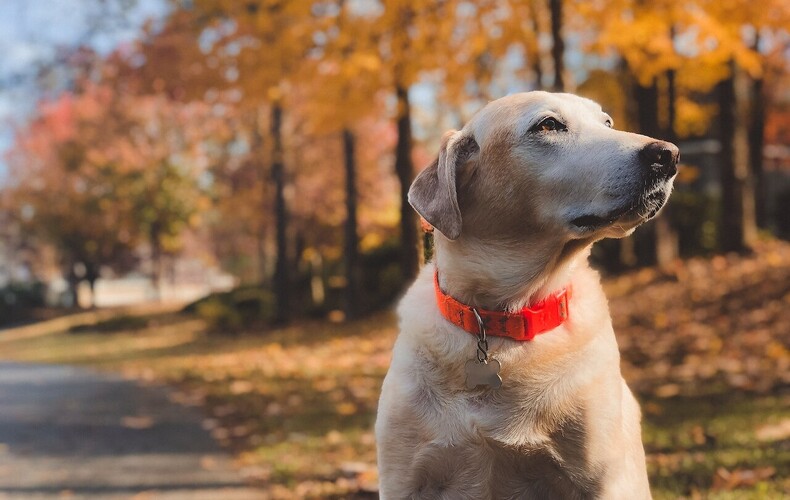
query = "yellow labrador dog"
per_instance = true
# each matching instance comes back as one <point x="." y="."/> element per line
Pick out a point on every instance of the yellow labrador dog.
<point x="505" y="379"/>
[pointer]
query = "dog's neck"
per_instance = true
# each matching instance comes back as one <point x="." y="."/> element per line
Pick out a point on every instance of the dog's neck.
<point x="505" y="276"/>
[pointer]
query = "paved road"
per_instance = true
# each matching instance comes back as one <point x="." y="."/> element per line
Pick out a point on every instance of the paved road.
<point x="70" y="433"/>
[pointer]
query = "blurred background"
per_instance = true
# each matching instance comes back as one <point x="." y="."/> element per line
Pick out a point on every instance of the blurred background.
<point x="220" y="184"/>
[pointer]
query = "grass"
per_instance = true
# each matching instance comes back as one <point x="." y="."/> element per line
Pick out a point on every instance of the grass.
<point x="694" y="445"/>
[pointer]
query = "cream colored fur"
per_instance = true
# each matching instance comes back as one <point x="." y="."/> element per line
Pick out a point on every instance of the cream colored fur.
<point x="564" y="424"/>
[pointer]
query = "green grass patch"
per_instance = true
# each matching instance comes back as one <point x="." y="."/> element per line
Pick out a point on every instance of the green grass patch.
<point x="725" y="446"/>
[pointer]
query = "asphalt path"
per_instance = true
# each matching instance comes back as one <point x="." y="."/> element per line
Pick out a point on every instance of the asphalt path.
<point x="72" y="433"/>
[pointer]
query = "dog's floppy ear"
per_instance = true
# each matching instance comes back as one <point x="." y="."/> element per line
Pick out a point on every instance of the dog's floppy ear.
<point x="434" y="193"/>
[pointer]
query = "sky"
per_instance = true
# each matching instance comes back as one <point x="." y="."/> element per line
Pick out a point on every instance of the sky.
<point x="32" y="31"/>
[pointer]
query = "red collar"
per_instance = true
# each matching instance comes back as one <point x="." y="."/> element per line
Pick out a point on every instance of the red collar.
<point x="546" y="315"/>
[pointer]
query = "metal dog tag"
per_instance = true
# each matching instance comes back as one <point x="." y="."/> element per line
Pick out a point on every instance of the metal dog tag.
<point x="484" y="370"/>
<point x="483" y="373"/>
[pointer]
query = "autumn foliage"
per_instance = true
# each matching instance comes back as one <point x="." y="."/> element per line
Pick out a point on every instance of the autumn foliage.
<point x="279" y="137"/>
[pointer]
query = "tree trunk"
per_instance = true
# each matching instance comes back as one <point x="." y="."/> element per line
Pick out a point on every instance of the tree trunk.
<point x="672" y="106"/>
<point x="281" y="278"/>
<point x="317" y="289"/>
<point x="537" y="68"/>
<point x="351" y="253"/>
<point x="737" y="228"/>
<point x="647" y="108"/>
<point x="666" y="236"/>
<point x="262" y="178"/>
<point x="405" y="172"/>
<point x="74" y="294"/>
<point x="73" y="283"/>
<point x="92" y="286"/>
<point x="558" y="44"/>
<point x="646" y="241"/>
<point x="156" y="260"/>
<point x="756" y="141"/>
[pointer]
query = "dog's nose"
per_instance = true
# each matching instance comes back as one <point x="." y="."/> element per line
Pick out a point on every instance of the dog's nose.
<point x="661" y="157"/>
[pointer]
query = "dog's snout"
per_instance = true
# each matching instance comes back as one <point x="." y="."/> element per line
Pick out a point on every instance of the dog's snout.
<point x="660" y="156"/>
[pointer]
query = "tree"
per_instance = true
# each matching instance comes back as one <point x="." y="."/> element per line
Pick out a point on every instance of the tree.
<point x="344" y="68"/>
<point x="351" y="234"/>
<point x="738" y="223"/>
<point x="558" y="44"/>
<point x="163" y="176"/>
<point x="259" y="45"/>
<point x="65" y="198"/>
<point x="97" y="174"/>
<point x="344" y="52"/>
<point x="739" y="99"/>
<point x="409" y="37"/>
<point x="168" y="64"/>
<point x="756" y="141"/>
<point x="667" y="245"/>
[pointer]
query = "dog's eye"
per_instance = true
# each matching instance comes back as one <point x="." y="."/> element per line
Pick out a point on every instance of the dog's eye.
<point x="548" y="125"/>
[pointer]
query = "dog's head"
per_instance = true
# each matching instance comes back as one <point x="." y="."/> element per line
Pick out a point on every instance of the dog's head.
<point x="543" y="163"/>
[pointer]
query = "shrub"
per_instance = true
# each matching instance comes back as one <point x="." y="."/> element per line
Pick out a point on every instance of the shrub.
<point x="112" y="325"/>
<point x="19" y="300"/>
<point x="237" y="310"/>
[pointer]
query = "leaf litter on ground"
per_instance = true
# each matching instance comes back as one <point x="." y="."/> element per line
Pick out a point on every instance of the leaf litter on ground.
<point x="704" y="346"/>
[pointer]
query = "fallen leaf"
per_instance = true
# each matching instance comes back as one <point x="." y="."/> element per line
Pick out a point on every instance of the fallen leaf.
<point x="774" y="432"/>
<point x="139" y="422"/>
<point x="727" y="480"/>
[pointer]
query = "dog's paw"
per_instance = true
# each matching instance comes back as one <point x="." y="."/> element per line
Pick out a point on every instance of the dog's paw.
<point x="483" y="374"/>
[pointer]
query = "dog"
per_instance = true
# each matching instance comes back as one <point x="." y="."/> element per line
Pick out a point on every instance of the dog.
<point x="517" y="197"/>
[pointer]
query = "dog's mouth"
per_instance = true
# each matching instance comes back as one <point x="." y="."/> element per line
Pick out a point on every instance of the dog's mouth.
<point x="644" y="208"/>
<point x="590" y="221"/>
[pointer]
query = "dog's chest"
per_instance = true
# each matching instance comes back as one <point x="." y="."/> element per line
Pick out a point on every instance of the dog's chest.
<point x="511" y="442"/>
<point x="485" y="468"/>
